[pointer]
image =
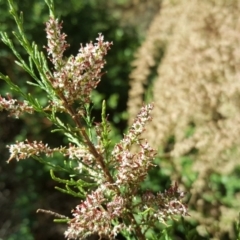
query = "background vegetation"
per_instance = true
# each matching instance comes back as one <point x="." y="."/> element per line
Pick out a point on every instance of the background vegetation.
<point x="165" y="50"/>
<point x="189" y="66"/>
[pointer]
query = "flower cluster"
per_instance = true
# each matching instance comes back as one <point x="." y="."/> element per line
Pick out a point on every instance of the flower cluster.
<point x="95" y="215"/>
<point x="101" y="210"/>
<point x="27" y="149"/>
<point x="75" y="77"/>
<point x="14" y="106"/>
<point x="56" y="42"/>
<point x="165" y="205"/>
<point x="133" y="167"/>
<point x="23" y="150"/>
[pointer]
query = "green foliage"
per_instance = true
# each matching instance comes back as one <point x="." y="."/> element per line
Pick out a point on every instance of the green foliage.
<point x="76" y="20"/>
<point x="237" y="228"/>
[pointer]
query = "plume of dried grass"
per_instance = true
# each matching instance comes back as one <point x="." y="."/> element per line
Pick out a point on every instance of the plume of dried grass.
<point x="191" y="59"/>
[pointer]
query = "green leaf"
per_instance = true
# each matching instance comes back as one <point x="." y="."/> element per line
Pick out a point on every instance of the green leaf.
<point x="50" y="4"/>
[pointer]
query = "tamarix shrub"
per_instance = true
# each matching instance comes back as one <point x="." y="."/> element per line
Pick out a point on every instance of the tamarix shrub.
<point x="106" y="179"/>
